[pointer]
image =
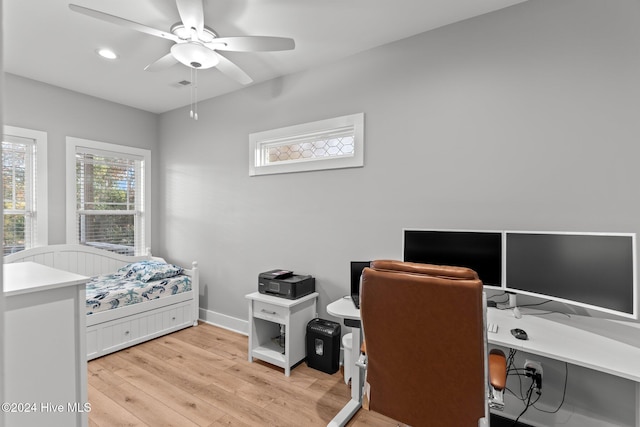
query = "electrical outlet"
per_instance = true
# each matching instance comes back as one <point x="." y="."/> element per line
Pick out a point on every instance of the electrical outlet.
<point x="530" y="365"/>
<point x="534" y="370"/>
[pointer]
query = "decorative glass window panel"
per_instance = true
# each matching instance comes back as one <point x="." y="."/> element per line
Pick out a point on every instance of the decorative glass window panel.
<point x="325" y="144"/>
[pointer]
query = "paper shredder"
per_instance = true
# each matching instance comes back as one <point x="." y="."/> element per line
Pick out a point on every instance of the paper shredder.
<point x="323" y="345"/>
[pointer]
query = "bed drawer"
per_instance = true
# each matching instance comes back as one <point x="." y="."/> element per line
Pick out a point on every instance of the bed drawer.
<point x="271" y="312"/>
<point x="111" y="336"/>
<point x="114" y="335"/>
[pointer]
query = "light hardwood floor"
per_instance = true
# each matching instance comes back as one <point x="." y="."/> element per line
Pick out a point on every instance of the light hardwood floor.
<point x="200" y="376"/>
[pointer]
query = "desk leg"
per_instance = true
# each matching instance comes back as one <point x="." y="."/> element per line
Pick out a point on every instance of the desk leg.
<point x="357" y="382"/>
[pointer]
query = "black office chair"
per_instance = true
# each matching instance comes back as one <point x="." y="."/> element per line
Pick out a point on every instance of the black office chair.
<point x="426" y="348"/>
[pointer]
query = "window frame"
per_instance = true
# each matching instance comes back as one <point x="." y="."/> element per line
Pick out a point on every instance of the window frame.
<point x="39" y="196"/>
<point x="105" y="148"/>
<point x="260" y="141"/>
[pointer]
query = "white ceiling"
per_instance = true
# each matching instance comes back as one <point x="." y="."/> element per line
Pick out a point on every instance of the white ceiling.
<point x="44" y="40"/>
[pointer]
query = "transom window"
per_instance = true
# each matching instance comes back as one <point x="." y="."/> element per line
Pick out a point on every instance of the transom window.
<point x="24" y="177"/>
<point x="109" y="198"/>
<point x="325" y="144"/>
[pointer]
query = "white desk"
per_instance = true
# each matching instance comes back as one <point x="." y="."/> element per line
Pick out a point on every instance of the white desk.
<point x="45" y="346"/>
<point x="608" y="346"/>
<point x="345" y="309"/>
<point x="603" y="345"/>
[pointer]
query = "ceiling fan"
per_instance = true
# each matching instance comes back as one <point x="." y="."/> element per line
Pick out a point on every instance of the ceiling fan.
<point x="197" y="45"/>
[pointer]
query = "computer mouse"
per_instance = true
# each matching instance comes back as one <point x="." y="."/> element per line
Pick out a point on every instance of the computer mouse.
<point x="519" y="334"/>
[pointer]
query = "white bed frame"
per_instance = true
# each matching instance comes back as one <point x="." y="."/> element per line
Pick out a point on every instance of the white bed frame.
<point x="113" y="330"/>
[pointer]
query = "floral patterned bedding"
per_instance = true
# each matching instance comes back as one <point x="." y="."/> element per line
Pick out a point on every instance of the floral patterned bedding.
<point x="120" y="289"/>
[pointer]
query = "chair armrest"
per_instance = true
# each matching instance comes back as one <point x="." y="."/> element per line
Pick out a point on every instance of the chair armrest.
<point x="497" y="369"/>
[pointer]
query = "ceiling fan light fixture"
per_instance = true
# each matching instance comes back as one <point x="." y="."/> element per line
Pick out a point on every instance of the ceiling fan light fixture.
<point x="194" y="55"/>
<point x="107" y="53"/>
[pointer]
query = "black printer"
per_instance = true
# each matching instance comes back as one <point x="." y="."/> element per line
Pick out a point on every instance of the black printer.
<point x="285" y="284"/>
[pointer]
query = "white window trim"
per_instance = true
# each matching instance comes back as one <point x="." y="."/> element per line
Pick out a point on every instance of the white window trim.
<point x="42" y="189"/>
<point x="118" y="150"/>
<point x="258" y="140"/>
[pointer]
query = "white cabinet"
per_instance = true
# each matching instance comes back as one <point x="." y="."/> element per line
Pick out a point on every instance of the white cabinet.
<point x="269" y="316"/>
<point x="45" y="350"/>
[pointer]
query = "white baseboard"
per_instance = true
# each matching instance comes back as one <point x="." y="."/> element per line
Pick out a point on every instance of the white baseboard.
<point x="234" y="324"/>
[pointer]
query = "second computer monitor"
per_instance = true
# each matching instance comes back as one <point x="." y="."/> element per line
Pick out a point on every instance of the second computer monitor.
<point x="480" y="251"/>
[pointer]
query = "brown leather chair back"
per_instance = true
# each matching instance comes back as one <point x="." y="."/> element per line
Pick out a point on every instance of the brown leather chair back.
<point x="424" y="331"/>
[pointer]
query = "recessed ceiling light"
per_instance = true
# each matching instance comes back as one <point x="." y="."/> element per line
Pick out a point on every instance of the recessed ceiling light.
<point x="107" y="53"/>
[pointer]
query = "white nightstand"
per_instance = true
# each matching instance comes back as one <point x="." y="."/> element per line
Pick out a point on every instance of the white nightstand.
<point x="266" y="315"/>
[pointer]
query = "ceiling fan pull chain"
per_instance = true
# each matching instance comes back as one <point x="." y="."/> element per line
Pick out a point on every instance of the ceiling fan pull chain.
<point x="193" y="113"/>
<point x="191" y="93"/>
<point x="195" y="73"/>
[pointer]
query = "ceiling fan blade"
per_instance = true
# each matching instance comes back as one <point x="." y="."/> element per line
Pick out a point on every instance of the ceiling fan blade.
<point x="165" y="62"/>
<point x="121" y="21"/>
<point x="192" y="14"/>
<point x="252" y="43"/>
<point x="232" y="70"/>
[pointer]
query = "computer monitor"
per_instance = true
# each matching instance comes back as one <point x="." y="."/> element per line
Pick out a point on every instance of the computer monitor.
<point x="592" y="270"/>
<point x="356" y="272"/>
<point x="479" y="250"/>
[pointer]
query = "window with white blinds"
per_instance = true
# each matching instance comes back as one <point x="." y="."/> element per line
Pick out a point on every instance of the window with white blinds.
<point x="110" y="201"/>
<point x="24" y="174"/>
<point x="325" y="144"/>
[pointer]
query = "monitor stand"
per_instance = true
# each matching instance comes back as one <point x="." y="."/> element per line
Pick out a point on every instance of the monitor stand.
<point x="514" y="306"/>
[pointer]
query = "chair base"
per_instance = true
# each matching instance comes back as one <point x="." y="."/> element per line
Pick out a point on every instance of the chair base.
<point x="496" y="399"/>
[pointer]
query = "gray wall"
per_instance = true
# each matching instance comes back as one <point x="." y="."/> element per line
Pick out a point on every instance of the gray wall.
<point x="520" y="119"/>
<point x="61" y="113"/>
<point x="525" y="118"/>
